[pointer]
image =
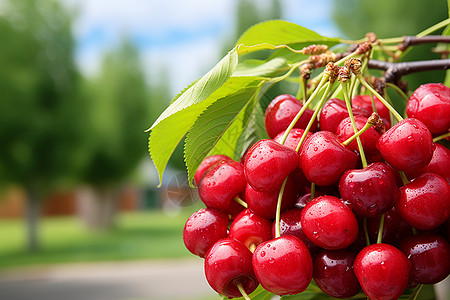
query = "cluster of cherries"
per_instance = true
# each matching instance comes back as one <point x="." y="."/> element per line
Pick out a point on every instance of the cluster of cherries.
<point x="281" y="217"/>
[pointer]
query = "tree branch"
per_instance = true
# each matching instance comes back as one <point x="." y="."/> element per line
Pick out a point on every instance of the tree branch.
<point x="428" y="39"/>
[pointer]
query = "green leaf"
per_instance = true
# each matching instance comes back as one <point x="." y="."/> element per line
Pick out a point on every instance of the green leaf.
<point x="255" y="67"/>
<point x="168" y="133"/>
<point x="213" y="123"/>
<point x="203" y="88"/>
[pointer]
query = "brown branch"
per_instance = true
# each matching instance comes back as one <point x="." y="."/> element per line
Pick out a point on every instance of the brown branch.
<point x="428" y="39"/>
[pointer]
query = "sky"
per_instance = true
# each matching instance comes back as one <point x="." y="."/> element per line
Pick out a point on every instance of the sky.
<point x="183" y="36"/>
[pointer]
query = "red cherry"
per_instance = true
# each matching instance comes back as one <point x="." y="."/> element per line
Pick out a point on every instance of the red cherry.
<point x="267" y="165"/>
<point x="371" y="191"/>
<point x="334" y="275"/>
<point x="206" y="164"/>
<point x="425" y="202"/>
<point x="250" y="229"/>
<point x="290" y="223"/>
<point x="280" y="113"/>
<point x="382" y="270"/>
<point x="203" y="229"/>
<point x="293" y="138"/>
<point x="430" y="103"/>
<point x="329" y="223"/>
<point x="365" y="102"/>
<point x="221" y="183"/>
<point x="265" y="204"/>
<point x="283" y="265"/>
<point x="368" y="139"/>
<point x="430" y="257"/>
<point x="323" y="158"/>
<point x="438" y="165"/>
<point x="407" y="146"/>
<point x="334" y="111"/>
<point x="227" y="263"/>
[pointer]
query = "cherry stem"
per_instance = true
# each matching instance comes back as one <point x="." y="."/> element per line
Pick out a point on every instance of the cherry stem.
<point x="441" y="137"/>
<point x="416" y="292"/>
<point x="374" y="107"/>
<point x="314" y="116"/>
<point x="278" y="213"/>
<point x="398" y="90"/>
<point x="381" y="98"/>
<point x="241" y="202"/>
<point x="305" y="106"/>
<point x="313" y="190"/>
<point x="352" y="119"/>
<point x="403" y="177"/>
<point x="242" y="290"/>
<point x="380" y="230"/>
<point x="366" y="232"/>
<point x="361" y="131"/>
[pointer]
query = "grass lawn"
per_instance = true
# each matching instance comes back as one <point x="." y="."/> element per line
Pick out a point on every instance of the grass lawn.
<point x="139" y="235"/>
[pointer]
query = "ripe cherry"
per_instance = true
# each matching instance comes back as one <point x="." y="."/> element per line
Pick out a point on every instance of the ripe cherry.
<point x="283" y="265"/>
<point x="382" y="270"/>
<point x="267" y="165"/>
<point x="227" y="264"/>
<point x="250" y="229"/>
<point x="206" y="164"/>
<point x="365" y="102"/>
<point x="290" y="223"/>
<point x="333" y="273"/>
<point x="329" y="223"/>
<point x="293" y="138"/>
<point x="334" y="111"/>
<point x="221" y="183"/>
<point x="323" y="158"/>
<point x="438" y="165"/>
<point x="425" y="202"/>
<point x="265" y="204"/>
<point x="430" y="103"/>
<point x="371" y="191"/>
<point x="280" y="113"/>
<point x="407" y="146"/>
<point x="203" y="229"/>
<point x="430" y="257"/>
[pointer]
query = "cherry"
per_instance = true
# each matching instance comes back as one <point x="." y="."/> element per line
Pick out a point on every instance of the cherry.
<point x="203" y="229"/>
<point x="293" y="138"/>
<point x="290" y="223"/>
<point x="430" y="103"/>
<point x="250" y="229"/>
<point x="382" y="270"/>
<point x="365" y="102"/>
<point x="430" y="257"/>
<point x="323" y="158"/>
<point x="394" y="228"/>
<point x="407" y="146"/>
<point x="283" y="265"/>
<point x="280" y="113"/>
<point x="265" y="204"/>
<point x="329" y="223"/>
<point x="333" y="273"/>
<point x="439" y="164"/>
<point x="227" y="264"/>
<point x="334" y="111"/>
<point x="267" y="165"/>
<point x="425" y="202"/>
<point x="371" y="191"/>
<point x="206" y="164"/>
<point x="221" y="183"/>
<point x="368" y="139"/>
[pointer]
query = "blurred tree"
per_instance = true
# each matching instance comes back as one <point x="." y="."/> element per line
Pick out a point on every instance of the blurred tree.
<point x="390" y="19"/>
<point x="41" y="117"/>
<point x="122" y="105"/>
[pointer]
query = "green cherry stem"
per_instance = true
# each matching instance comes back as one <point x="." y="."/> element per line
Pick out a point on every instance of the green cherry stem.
<point x="241" y="202"/>
<point x="278" y="213"/>
<point x="416" y="292"/>
<point x="361" y="131"/>
<point x="398" y="90"/>
<point x="366" y="232"/>
<point x="380" y="230"/>
<point x="352" y="119"/>
<point x="403" y="177"/>
<point x="314" y="116"/>
<point x="441" y="137"/>
<point x="386" y="103"/>
<point x="313" y="190"/>
<point x="305" y="106"/>
<point x="242" y="290"/>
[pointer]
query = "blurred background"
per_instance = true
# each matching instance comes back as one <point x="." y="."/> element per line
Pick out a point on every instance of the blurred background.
<point x="80" y="82"/>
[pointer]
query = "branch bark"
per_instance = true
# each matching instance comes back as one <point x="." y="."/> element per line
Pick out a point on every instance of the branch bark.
<point x="428" y="39"/>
